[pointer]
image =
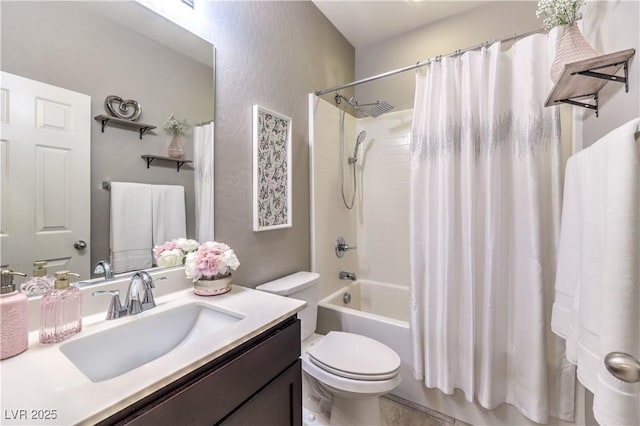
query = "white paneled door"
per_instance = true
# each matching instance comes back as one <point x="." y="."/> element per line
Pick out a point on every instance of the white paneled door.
<point x="45" y="139"/>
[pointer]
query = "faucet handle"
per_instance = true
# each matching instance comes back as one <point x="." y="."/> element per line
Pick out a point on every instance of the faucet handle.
<point x="157" y="279"/>
<point x="148" y="301"/>
<point x="342" y="247"/>
<point x="115" y="309"/>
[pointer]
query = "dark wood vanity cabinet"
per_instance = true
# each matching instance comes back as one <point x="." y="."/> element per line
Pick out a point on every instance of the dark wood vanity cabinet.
<point x="257" y="383"/>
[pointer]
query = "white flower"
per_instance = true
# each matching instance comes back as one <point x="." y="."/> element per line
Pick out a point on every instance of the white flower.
<point x="189" y="266"/>
<point x="170" y="258"/>
<point x="229" y="258"/>
<point x="172" y="124"/>
<point x="559" y="12"/>
<point x="187" y="245"/>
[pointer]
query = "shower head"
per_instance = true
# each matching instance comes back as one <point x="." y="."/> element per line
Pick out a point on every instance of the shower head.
<point x="361" y="136"/>
<point x="374" y="109"/>
<point x="359" y="140"/>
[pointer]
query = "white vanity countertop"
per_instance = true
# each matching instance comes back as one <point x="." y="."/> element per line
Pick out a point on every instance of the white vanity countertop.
<point x="43" y="380"/>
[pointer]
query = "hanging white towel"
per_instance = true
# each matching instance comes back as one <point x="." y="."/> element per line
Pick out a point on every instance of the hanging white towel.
<point x="597" y="300"/>
<point x="130" y="226"/>
<point x="203" y="180"/>
<point x="169" y="219"/>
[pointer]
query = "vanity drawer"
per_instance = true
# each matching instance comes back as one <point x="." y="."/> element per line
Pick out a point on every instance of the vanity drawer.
<point x="277" y="404"/>
<point x="217" y="390"/>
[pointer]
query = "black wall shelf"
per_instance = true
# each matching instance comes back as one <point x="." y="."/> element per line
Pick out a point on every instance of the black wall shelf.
<point x="582" y="80"/>
<point x="179" y="162"/>
<point x="141" y="127"/>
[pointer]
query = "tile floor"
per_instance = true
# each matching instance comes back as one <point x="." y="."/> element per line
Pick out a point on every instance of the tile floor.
<point x="397" y="413"/>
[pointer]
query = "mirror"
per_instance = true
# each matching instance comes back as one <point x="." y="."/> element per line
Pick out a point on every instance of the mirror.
<point x="98" y="49"/>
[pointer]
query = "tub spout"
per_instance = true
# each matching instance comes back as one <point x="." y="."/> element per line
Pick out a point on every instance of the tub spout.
<point x="348" y="276"/>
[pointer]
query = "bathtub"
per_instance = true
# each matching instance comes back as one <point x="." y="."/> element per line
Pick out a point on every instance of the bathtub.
<point x="377" y="310"/>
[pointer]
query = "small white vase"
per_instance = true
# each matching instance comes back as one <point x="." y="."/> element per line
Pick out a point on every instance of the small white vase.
<point x="573" y="47"/>
<point x="212" y="287"/>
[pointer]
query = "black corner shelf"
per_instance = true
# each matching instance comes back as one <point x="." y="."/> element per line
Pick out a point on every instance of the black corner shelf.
<point x="141" y="127"/>
<point x="582" y="80"/>
<point x="179" y="162"/>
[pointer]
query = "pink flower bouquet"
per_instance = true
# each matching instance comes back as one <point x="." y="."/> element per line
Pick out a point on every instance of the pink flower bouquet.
<point x="210" y="261"/>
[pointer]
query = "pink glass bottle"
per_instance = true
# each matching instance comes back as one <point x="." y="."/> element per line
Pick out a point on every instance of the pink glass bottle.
<point x="40" y="281"/>
<point x="14" y="327"/>
<point x="61" y="310"/>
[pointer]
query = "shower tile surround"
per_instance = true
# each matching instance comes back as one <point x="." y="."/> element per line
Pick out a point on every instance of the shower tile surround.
<point x="383" y="209"/>
<point x="379" y="223"/>
<point x="330" y="216"/>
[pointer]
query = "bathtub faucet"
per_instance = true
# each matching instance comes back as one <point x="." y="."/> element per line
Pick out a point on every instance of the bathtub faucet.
<point x="348" y="276"/>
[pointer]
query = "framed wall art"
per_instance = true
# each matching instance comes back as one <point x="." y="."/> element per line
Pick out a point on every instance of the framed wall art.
<point x="271" y="170"/>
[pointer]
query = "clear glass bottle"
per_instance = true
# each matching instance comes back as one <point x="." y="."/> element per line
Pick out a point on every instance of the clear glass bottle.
<point x="61" y="310"/>
<point x="40" y="282"/>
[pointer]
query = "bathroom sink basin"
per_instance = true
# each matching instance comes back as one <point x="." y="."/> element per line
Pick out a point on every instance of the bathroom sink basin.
<point x="110" y="353"/>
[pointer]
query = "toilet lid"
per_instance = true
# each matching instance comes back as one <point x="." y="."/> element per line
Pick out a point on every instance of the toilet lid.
<point x="354" y="356"/>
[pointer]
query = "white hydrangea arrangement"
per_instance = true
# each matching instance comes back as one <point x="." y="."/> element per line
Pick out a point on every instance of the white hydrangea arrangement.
<point x="559" y="12"/>
<point x="172" y="124"/>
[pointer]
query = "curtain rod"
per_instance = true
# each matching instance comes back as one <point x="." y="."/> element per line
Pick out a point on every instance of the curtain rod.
<point x="420" y="64"/>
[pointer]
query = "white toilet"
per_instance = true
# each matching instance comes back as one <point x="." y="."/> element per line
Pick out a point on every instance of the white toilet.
<point x="350" y="369"/>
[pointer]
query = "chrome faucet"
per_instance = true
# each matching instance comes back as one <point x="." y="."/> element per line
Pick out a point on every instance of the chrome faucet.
<point x="348" y="276"/>
<point x="104" y="267"/>
<point x="139" y="296"/>
<point x="136" y="295"/>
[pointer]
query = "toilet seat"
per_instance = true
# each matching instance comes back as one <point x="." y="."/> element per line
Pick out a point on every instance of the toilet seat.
<point x="355" y="357"/>
<point x="348" y="387"/>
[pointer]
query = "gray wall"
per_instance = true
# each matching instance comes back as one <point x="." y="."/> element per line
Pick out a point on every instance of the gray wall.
<point x="272" y="54"/>
<point x="494" y="20"/>
<point x="610" y="27"/>
<point x="66" y="45"/>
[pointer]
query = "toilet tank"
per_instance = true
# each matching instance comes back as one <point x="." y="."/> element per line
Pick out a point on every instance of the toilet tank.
<point x="303" y="286"/>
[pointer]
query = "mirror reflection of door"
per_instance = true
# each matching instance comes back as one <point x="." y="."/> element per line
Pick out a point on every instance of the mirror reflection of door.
<point x="45" y="145"/>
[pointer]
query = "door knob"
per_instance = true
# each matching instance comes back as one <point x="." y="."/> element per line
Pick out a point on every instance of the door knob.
<point x="80" y="245"/>
<point x="623" y="366"/>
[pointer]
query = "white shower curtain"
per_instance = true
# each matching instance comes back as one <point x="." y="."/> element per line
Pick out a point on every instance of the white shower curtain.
<point x="484" y="222"/>
<point x="203" y="175"/>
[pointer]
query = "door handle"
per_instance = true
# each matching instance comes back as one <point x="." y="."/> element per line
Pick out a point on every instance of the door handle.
<point x="80" y="245"/>
<point x="623" y="366"/>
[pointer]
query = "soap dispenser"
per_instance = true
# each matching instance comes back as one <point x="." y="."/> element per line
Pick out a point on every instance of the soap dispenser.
<point x="14" y="326"/>
<point x="40" y="282"/>
<point x="61" y="310"/>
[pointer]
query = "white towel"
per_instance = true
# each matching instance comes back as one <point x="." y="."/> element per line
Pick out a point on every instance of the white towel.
<point x="597" y="300"/>
<point x="169" y="219"/>
<point x="130" y="226"/>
